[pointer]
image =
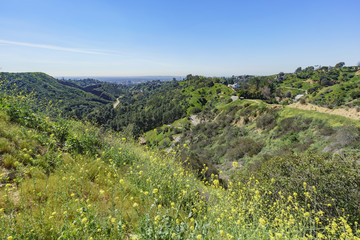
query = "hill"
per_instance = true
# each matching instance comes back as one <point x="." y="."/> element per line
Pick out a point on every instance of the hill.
<point x="75" y="100"/>
<point x="66" y="179"/>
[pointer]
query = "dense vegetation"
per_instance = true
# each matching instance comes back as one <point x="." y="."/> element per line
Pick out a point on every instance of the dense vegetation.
<point x="65" y="179"/>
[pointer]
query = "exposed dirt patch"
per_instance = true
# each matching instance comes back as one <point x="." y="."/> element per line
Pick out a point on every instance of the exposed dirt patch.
<point x="195" y="119"/>
<point x="310" y="81"/>
<point x="351" y="113"/>
<point x="234" y="98"/>
<point x="357" y="73"/>
<point x="240" y="123"/>
<point x="217" y="116"/>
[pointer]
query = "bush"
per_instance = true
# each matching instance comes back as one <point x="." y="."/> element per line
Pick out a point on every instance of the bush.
<point x="267" y="121"/>
<point x="355" y="94"/>
<point x="346" y="136"/>
<point x="195" y="110"/>
<point x="241" y="147"/>
<point x="336" y="179"/>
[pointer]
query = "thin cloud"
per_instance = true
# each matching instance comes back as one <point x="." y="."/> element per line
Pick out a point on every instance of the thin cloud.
<point x="52" y="47"/>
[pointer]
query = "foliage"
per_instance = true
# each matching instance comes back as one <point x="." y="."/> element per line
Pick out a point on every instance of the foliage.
<point x="332" y="181"/>
<point x="121" y="190"/>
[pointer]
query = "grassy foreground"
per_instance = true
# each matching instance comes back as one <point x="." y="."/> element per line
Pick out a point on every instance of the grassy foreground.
<point x="70" y="180"/>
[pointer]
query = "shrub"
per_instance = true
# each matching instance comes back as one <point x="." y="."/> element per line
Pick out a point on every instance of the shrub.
<point x="336" y="180"/>
<point x="355" y="94"/>
<point x="346" y="136"/>
<point x="267" y="121"/>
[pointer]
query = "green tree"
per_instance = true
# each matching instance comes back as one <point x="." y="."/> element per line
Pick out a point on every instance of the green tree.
<point x="340" y="65"/>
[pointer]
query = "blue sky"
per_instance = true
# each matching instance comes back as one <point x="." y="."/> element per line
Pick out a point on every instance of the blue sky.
<point x="176" y="37"/>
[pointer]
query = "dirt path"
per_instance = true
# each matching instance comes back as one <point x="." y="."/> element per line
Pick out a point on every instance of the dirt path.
<point x="116" y="103"/>
<point x="351" y="113"/>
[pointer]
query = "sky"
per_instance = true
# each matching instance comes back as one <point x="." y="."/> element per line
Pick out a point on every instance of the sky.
<point x="176" y="37"/>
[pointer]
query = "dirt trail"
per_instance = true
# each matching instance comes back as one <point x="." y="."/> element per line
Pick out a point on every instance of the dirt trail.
<point x="116" y="103"/>
<point x="344" y="112"/>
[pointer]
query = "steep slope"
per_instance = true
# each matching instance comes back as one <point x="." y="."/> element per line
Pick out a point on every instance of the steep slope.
<point x="76" y="101"/>
<point x="251" y="132"/>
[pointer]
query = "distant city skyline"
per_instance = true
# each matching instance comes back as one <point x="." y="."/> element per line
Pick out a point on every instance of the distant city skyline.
<point x="175" y="38"/>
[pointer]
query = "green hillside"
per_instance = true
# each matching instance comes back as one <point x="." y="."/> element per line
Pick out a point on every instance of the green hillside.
<point x="64" y="179"/>
<point x="76" y="101"/>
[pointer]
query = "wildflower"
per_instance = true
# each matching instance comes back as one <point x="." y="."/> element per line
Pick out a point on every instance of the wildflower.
<point x="261" y="221"/>
<point x="199" y="237"/>
<point x="321" y="236"/>
<point x="9" y="238"/>
<point x="84" y="220"/>
<point x="135" y="205"/>
<point x="321" y="213"/>
<point x="155" y="190"/>
<point x="278" y="235"/>
<point x="121" y="181"/>
<point x="235" y="164"/>
<point x="113" y="220"/>
<point x="306" y="214"/>
<point x="173" y="235"/>
<point x="222" y="233"/>
<point x="102" y="192"/>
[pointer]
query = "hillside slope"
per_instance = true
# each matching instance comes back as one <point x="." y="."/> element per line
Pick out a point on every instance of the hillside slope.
<point x="76" y="101"/>
<point x="64" y="179"/>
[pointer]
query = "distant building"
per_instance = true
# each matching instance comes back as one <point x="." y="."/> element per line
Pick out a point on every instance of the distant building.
<point x="234" y="86"/>
<point x="297" y="97"/>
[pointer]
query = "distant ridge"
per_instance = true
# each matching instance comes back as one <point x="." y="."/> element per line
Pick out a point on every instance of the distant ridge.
<point x="124" y="80"/>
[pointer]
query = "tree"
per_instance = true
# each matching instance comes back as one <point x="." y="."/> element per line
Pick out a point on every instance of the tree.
<point x="340" y="65"/>
<point x="298" y="70"/>
<point x="288" y="94"/>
